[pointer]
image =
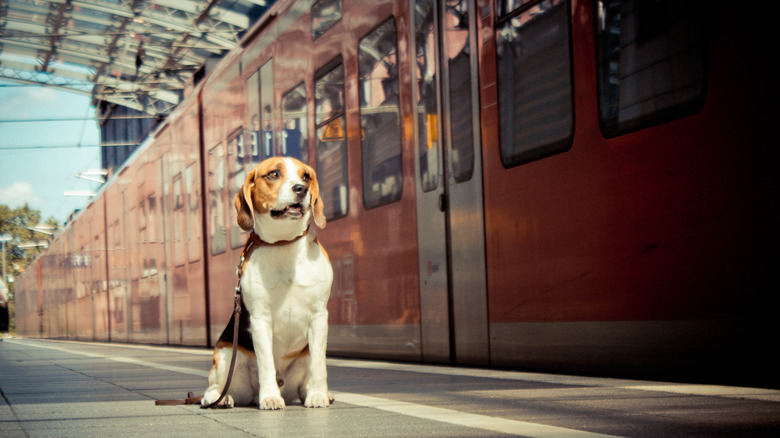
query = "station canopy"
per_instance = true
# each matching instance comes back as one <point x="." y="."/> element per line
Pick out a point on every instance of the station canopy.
<point x="140" y="54"/>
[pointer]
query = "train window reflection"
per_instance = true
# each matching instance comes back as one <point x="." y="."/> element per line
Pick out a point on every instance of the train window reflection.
<point x="534" y="82"/>
<point x="380" y="119"/>
<point x="427" y="95"/>
<point x="217" y="229"/>
<point x="193" y="219"/>
<point x="267" y="107"/>
<point x="651" y="63"/>
<point x="253" y="111"/>
<point x="142" y="218"/>
<point x="329" y="93"/>
<point x="295" y="139"/>
<point x="458" y="52"/>
<point x="235" y="182"/>
<point x="179" y="222"/>
<point x="331" y="139"/>
<point x="507" y="6"/>
<point x="153" y="227"/>
<point x="324" y="14"/>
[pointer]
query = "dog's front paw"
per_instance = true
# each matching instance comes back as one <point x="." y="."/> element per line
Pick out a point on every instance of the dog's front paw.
<point x="271" y="402"/>
<point x="226" y="403"/>
<point x="318" y="400"/>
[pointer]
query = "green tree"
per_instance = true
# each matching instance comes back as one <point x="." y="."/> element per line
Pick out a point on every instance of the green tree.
<point x="25" y="243"/>
<point x="18" y="223"/>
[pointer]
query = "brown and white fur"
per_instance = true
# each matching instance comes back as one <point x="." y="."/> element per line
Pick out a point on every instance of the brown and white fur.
<point x="285" y="287"/>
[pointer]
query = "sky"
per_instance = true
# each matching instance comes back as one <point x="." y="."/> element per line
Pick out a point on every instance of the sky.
<point x="39" y="160"/>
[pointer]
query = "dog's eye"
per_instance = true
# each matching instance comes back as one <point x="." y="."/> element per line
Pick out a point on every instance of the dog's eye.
<point x="306" y="177"/>
<point x="272" y="175"/>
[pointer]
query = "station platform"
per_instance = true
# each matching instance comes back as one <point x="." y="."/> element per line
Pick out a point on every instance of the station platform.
<point x="83" y="389"/>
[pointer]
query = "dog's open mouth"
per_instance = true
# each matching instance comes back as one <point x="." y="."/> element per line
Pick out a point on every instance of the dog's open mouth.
<point x="292" y="211"/>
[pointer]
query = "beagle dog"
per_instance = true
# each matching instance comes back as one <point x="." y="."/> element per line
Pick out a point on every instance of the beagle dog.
<point x="285" y="284"/>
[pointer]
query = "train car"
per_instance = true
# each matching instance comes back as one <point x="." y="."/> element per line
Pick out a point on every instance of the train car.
<point x="153" y="221"/>
<point x="322" y="85"/>
<point x="571" y="186"/>
<point x="629" y="213"/>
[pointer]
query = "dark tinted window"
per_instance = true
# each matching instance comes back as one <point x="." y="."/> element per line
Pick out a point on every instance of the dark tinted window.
<point x="458" y="50"/>
<point x="651" y="62"/>
<point x="427" y="94"/>
<point x="324" y="14"/>
<point x="536" y="115"/>
<point x="295" y="137"/>
<point x="380" y="118"/>
<point x="331" y="139"/>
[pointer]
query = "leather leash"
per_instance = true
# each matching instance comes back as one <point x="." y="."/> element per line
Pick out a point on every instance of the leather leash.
<point x="253" y="241"/>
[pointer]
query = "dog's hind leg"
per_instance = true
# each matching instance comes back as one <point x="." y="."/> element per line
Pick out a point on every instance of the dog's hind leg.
<point x="243" y="386"/>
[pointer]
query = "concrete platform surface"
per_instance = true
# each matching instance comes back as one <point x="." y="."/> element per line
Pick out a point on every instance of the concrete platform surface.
<point x="83" y="389"/>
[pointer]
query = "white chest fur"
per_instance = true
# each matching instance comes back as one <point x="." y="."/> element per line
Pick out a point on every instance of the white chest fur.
<point x="287" y="286"/>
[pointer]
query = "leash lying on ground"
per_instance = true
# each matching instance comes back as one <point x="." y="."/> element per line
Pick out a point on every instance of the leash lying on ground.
<point x="191" y="399"/>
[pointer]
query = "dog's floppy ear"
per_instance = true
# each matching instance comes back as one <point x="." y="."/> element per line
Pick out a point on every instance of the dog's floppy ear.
<point x="319" y="212"/>
<point x="244" y="207"/>
<point x="317" y="206"/>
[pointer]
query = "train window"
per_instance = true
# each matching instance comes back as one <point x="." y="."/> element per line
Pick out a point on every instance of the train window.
<point x="253" y="111"/>
<point x="179" y="222"/>
<point x="217" y="229"/>
<point x="534" y="80"/>
<point x="154" y="218"/>
<point x="324" y="14"/>
<point x="193" y="207"/>
<point x="427" y="95"/>
<point x="458" y="49"/>
<point x="380" y="118"/>
<point x="331" y="138"/>
<point x="651" y="62"/>
<point x="236" y="179"/>
<point x="295" y="138"/>
<point x="329" y="93"/>
<point x="507" y="6"/>
<point x="267" y="107"/>
<point x="142" y="218"/>
<point x="236" y="152"/>
<point x="148" y="210"/>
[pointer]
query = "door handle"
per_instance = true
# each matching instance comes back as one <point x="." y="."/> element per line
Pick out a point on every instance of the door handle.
<point x="442" y="203"/>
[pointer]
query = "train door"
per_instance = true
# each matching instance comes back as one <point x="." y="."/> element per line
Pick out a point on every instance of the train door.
<point x="449" y="189"/>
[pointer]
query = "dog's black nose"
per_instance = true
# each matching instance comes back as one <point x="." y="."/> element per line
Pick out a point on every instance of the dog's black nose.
<point x="299" y="189"/>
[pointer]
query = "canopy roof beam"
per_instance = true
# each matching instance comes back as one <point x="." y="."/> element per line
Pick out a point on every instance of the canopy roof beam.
<point x="137" y="53"/>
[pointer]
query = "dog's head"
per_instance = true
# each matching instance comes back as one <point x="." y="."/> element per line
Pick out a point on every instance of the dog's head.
<point x="278" y="199"/>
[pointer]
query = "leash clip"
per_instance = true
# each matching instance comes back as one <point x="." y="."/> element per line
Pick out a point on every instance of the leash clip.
<point x="237" y="300"/>
<point x="240" y="266"/>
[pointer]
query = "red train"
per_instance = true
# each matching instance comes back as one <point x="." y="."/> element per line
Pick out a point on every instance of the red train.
<point x="574" y="186"/>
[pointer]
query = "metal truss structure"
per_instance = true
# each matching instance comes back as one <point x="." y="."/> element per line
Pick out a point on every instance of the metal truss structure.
<point x="140" y="54"/>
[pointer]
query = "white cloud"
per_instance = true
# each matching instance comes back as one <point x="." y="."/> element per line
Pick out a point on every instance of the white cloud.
<point x="18" y="194"/>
